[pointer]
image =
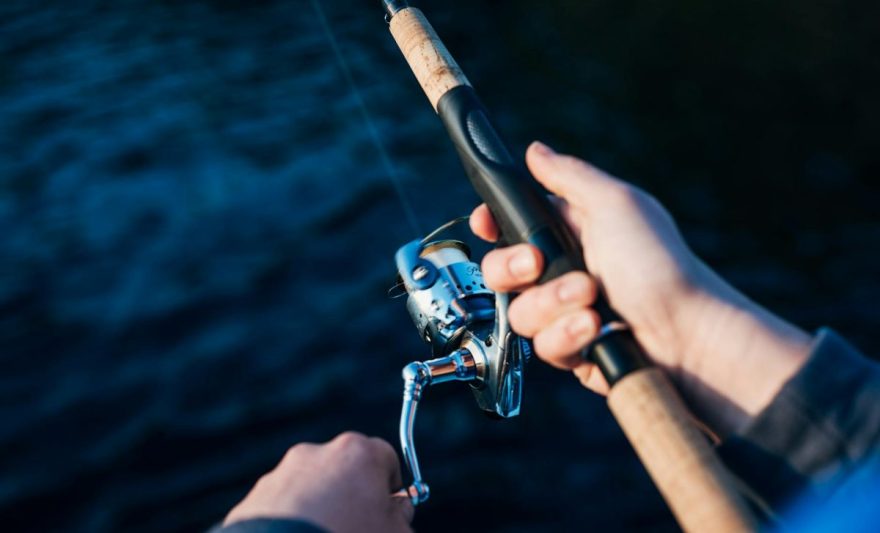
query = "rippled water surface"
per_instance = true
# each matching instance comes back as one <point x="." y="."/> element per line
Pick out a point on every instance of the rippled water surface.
<point x="197" y="234"/>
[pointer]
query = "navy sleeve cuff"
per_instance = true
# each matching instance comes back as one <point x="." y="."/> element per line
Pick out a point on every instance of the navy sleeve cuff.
<point x="823" y="424"/>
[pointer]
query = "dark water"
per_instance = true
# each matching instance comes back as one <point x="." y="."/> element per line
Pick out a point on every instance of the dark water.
<point x="197" y="233"/>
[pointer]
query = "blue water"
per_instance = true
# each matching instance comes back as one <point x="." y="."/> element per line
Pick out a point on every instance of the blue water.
<point x="198" y="232"/>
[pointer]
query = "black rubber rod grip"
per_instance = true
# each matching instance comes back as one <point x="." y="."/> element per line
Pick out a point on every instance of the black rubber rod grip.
<point x="524" y="214"/>
<point x="518" y="203"/>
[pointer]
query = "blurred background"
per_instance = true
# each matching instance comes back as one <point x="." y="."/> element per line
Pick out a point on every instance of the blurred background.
<point x="198" y="233"/>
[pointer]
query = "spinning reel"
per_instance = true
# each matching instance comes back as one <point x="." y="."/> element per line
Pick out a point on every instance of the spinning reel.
<point x="465" y="323"/>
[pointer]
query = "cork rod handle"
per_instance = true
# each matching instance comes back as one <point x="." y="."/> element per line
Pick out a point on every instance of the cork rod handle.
<point x="426" y="54"/>
<point x="698" y="489"/>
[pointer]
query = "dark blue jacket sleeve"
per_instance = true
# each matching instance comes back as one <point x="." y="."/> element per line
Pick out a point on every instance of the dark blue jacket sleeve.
<point x="269" y="525"/>
<point x="821" y="429"/>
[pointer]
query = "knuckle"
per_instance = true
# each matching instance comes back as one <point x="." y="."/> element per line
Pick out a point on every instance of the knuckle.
<point x="549" y="297"/>
<point x="384" y="455"/>
<point x="265" y="479"/>
<point x="290" y="455"/>
<point x="624" y="196"/>
<point x="295" y="452"/>
<point x="620" y="195"/>
<point x="567" y="335"/>
<point x="351" y="440"/>
<point x="583" y="281"/>
<point x="589" y="320"/>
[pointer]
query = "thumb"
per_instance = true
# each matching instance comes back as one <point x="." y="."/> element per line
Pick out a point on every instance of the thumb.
<point x="582" y="185"/>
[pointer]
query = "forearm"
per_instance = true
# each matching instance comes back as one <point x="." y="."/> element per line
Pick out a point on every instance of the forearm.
<point x="799" y="413"/>
<point x="738" y="355"/>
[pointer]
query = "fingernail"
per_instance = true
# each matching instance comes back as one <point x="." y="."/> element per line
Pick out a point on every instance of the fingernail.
<point x="579" y="325"/>
<point x="571" y="290"/>
<point x="522" y="265"/>
<point x="543" y="149"/>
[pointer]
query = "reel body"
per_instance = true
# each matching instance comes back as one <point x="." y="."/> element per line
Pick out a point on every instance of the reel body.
<point x="465" y="323"/>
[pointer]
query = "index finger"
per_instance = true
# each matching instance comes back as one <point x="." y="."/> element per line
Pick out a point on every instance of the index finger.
<point x="512" y="268"/>
<point x="483" y="224"/>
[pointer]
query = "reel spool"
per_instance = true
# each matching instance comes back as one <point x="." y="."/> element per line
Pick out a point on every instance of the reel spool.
<point x="445" y="291"/>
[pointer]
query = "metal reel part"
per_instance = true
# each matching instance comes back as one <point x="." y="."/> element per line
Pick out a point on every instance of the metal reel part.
<point x="466" y="325"/>
<point x="445" y="291"/>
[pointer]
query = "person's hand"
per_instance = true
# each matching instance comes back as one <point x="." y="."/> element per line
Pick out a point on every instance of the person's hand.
<point x="343" y="485"/>
<point x="728" y="355"/>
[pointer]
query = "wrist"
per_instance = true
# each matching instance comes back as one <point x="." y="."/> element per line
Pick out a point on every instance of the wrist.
<point x="737" y="355"/>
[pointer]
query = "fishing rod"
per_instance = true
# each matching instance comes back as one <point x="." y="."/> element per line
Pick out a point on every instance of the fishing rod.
<point x="466" y="323"/>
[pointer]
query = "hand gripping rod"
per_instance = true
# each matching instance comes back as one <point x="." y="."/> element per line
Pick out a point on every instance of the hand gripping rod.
<point x="698" y="489"/>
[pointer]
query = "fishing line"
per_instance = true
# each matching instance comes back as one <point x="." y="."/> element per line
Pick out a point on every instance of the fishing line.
<point x="385" y="159"/>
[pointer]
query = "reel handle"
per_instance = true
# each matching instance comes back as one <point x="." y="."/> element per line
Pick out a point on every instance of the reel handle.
<point x="700" y="492"/>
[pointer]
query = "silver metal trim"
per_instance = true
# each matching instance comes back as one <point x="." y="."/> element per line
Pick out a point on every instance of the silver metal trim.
<point x="460" y="365"/>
